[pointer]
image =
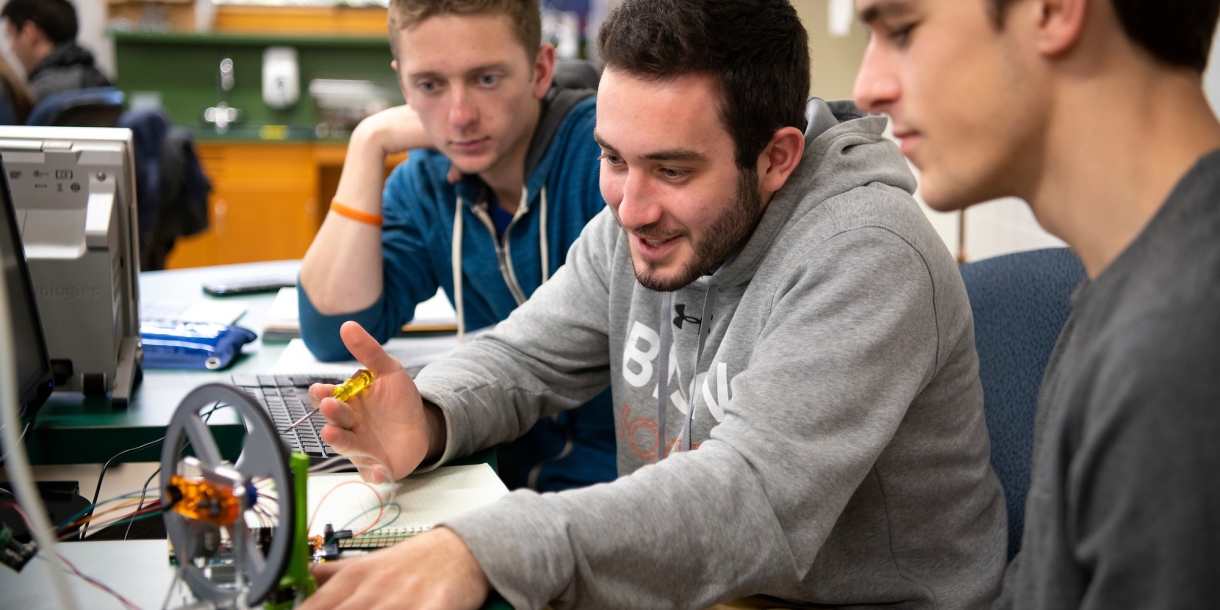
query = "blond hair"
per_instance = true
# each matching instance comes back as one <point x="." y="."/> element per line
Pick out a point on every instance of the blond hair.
<point x="523" y="14"/>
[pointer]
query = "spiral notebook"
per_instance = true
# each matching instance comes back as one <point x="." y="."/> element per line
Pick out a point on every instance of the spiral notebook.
<point x="414" y="504"/>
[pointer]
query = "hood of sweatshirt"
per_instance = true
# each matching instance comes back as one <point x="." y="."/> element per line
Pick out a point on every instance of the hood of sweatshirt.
<point x="844" y="149"/>
<point x="64" y="55"/>
<point x="824" y="380"/>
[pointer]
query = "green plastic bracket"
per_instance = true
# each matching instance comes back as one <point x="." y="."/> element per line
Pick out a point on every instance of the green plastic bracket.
<point x="297" y="577"/>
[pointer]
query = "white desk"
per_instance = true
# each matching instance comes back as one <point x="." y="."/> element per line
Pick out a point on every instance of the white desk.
<point x="137" y="569"/>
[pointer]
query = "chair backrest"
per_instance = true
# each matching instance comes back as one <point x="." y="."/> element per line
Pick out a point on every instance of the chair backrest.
<point x="1020" y="303"/>
<point x="92" y="107"/>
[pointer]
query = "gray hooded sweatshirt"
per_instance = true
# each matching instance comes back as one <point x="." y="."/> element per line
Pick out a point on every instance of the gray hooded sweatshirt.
<point x="839" y="454"/>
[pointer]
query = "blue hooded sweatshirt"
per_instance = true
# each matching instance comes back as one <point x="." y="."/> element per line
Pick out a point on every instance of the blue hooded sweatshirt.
<point x="422" y="226"/>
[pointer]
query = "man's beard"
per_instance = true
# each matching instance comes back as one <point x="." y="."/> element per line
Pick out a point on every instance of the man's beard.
<point x="724" y="236"/>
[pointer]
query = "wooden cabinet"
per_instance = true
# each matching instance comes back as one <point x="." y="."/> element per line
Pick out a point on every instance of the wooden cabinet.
<point x="265" y="201"/>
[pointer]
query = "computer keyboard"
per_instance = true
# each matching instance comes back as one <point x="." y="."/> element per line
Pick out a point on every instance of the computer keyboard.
<point x="286" y="398"/>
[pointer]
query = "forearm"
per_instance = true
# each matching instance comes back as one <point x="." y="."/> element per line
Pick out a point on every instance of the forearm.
<point x="342" y="270"/>
<point x="666" y="537"/>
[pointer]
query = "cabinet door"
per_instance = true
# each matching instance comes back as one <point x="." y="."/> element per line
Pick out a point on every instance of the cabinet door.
<point x="263" y="205"/>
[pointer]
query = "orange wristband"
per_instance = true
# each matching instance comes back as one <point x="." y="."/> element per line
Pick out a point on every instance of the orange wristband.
<point x="369" y="219"/>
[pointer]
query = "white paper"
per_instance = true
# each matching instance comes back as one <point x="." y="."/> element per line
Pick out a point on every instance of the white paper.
<point x="436" y="311"/>
<point x="424" y="499"/>
<point x="413" y="353"/>
<point x="213" y="312"/>
<point x="283" y="315"/>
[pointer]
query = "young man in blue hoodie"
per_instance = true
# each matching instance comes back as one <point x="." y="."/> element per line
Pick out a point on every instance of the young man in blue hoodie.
<point x="488" y="215"/>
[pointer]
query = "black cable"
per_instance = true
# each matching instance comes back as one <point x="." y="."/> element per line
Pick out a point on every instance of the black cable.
<point x="144" y="492"/>
<point x="98" y="490"/>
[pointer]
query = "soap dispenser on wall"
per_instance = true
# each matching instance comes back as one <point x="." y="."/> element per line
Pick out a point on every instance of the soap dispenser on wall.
<point x="281" y="77"/>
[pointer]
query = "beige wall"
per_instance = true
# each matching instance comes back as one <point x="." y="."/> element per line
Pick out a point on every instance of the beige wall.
<point x="834" y="61"/>
<point x="993" y="228"/>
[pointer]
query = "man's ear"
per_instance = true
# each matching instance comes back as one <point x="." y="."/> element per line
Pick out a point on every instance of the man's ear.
<point x="780" y="158"/>
<point x="1059" y="24"/>
<point x="31" y="32"/>
<point x="544" y="70"/>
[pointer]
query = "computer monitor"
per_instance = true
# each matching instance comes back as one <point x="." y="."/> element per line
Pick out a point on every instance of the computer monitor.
<point x="74" y="189"/>
<point x="29" y="345"/>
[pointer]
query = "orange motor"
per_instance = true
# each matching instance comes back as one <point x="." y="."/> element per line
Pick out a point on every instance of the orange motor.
<point x="202" y="500"/>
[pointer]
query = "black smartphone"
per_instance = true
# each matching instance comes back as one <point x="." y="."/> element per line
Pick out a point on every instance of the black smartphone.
<point x="228" y="289"/>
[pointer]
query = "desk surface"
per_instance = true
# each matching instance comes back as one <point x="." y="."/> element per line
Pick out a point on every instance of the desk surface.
<point x="137" y="569"/>
<point x="73" y="429"/>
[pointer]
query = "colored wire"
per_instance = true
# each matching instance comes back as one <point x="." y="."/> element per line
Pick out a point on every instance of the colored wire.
<point x="98" y="490"/>
<point x="150" y="511"/>
<point x="73" y="568"/>
<point x="21" y="513"/>
<point x="368" y="529"/>
<point x="97" y="516"/>
<point x="144" y="492"/>
<point x="122" y="600"/>
<point x="387" y="523"/>
<point x="85" y="510"/>
<point x="309" y="526"/>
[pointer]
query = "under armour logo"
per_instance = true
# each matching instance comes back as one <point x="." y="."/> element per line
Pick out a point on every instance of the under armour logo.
<point x="682" y="317"/>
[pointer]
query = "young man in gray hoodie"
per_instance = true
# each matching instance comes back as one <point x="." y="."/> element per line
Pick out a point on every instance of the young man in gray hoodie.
<point x="788" y="342"/>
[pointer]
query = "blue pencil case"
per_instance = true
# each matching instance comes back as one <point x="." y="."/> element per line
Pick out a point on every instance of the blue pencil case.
<point x="191" y="345"/>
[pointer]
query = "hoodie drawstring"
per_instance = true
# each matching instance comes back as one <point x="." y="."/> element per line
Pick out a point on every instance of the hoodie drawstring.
<point x="542" y="241"/>
<point x="456" y="256"/>
<point x="457" y="272"/>
<point x="705" y="329"/>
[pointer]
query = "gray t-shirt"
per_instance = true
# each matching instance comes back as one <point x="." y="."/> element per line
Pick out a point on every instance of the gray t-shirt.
<point x="1124" y="503"/>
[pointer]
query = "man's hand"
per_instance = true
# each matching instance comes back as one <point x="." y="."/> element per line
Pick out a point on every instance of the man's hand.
<point x="396" y="130"/>
<point x="393" y="130"/>
<point x="435" y="570"/>
<point x="386" y="430"/>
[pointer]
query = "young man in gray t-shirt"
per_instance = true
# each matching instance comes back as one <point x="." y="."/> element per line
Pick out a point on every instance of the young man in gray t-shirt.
<point x="1093" y="111"/>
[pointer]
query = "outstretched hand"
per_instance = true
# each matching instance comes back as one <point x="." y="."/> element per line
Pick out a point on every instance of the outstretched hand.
<point x="386" y="430"/>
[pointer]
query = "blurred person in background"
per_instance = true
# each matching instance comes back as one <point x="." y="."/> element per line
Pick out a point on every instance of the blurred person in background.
<point x="43" y="38"/>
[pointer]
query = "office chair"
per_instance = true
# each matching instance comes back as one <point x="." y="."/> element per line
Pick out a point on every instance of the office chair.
<point x="1020" y="303"/>
<point x="171" y="188"/>
<point x="92" y="107"/>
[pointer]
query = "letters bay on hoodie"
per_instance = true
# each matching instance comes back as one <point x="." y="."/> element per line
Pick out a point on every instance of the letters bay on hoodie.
<point x="840" y="455"/>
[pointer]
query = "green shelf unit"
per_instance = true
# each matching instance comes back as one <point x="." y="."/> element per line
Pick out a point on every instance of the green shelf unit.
<point x="184" y="70"/>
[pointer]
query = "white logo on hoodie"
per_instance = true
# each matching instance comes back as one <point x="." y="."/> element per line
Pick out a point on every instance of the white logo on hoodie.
<point x="641" y="357"/>
<point x="641" y="351"/>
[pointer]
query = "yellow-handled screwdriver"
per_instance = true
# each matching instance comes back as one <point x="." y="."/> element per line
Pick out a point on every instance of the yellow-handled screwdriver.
<point x="357" y="383"/>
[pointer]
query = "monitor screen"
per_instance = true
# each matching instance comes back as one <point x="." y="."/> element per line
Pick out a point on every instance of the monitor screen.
<point x="33" y="365"/>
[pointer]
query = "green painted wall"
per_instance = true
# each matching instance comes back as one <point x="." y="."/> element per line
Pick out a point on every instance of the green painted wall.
<point x="185" y="70"/>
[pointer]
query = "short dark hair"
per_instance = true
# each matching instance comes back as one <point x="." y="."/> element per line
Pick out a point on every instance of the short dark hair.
<point x="758" y="49"/>
<point x="56" y="18"/>
<point x="1177" y="32"/>
<point x="524" y="15"/>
